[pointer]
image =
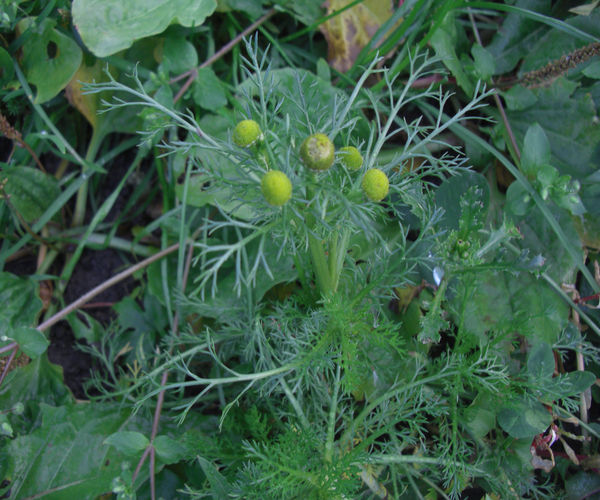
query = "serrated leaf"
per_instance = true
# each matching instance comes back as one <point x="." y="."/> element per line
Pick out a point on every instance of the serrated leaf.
<point x="523" y="419"/>
<point x="129" y="443"/>
<point x="65" y="456"/>
<point x="50" y="59"/>
<point x="108" y="26"/>
<point x="31" y="191"/>
<point x="350" y="31"/>
<point x="31" y="341"/>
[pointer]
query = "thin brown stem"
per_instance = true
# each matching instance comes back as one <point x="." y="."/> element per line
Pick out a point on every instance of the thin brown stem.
<point x="8" y="347"/>
<point x="152" y="479"/>
<point x="163" y="382"/>
<point x="9" y="131"/>
<point x="9" y="362"/>
<point x="103" y="286"/>
<point x="193" y="73"/>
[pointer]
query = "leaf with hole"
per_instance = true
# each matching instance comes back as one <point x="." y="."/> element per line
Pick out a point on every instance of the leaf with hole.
<point x="50" y="59"/>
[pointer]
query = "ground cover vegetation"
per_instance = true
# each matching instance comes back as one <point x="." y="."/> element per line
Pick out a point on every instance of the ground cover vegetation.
<point x="274" y="250"/>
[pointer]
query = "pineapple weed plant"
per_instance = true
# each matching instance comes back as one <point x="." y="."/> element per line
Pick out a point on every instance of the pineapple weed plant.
<point x="296" y="363"/>
<point x="342" y="307"/>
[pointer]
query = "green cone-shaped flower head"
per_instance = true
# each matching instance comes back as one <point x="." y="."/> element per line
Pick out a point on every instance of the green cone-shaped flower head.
<point x="350" y="157"/>
<point x="317" y="152"/>
<point x="276" y="188"/>
<point x="375" y="184"/>
<point x="246" y="133"/>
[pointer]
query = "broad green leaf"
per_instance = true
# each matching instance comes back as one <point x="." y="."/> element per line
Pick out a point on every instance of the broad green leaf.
<point x="540" y="239"/>
<point x="479" y="417"/>
<point x="38" y="381"/>
<point x="207" y="90"/>
<point x="130" y="443"/>
<point x="449" y="194"/>
<point x="108" y="26"/>
<point x="581" y="484"/>
<point x="523" y="419"/>
<point x="518" y="98"/>
<point x="484" y="62"/>
<point x="593" y="70"/>
<point x="86" y="328"/>
<point x="65" y="457"/>
<point x="31" y="191"/>
<point x="573" y="383"/>
<point x="31" y="341"/>
<point x="444" y="42"/>
<point x="518" y="199"/>
<point x="253" y="8"/>
<point x="536" y="150"/>
<point x="350" y="31"/>
<point x="7" y="71"/>
<point x="517" y="35"/>
<point x="540" y="362"/>
<point x="20" y="302"/>
<point x="503" y="302"/>
<point x="169" y="450"/>
<point x="178" y="55"/>
<point x="50" y="59"/>
<point x="125" y="119"/>
<point x="569" y="122"/>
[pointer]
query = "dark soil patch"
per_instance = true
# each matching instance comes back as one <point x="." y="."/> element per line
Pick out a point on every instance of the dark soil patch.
<point x="93" y="268"/>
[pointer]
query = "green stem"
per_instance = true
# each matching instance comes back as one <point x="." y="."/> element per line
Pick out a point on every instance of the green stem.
<point x="332" y="414"/>
<point x="319" y="260"/>
<point x="92" y="150"/>
<point x="337" y="257"/>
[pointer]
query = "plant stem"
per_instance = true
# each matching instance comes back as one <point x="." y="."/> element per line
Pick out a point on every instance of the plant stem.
<point x="103" y="286"/>
<point x="332" y="414"/>
<point x="319" y="260"/>
<point x="92" y="150"/>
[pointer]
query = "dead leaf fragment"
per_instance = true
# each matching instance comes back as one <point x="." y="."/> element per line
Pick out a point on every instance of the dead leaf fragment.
<point x="349" y="32"/>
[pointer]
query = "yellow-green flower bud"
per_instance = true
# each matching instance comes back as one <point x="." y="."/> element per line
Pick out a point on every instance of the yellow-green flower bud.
<point x="246" y="133"/>
<point x="350" y="158"/>
<point x="317" y="152"/>
<point x="276" y="188"/>
<point x="375" y="184"/>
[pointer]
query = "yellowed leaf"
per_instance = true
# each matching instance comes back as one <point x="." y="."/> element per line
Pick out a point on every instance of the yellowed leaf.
<point x="349" y="32"/>
<point x="86" y="104"/>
